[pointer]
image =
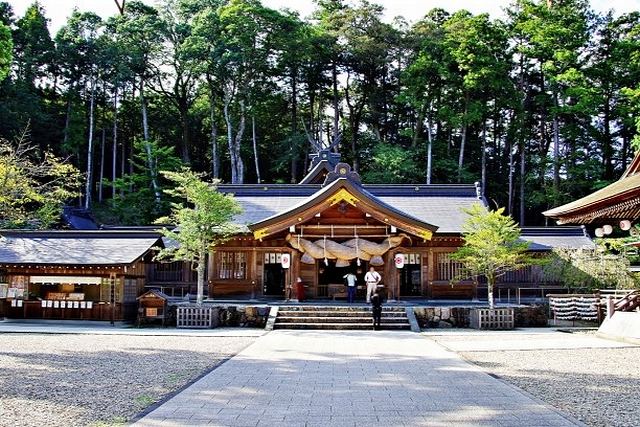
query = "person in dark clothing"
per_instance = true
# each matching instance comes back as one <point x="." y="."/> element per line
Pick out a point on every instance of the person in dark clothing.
<point x="376" y="309"/>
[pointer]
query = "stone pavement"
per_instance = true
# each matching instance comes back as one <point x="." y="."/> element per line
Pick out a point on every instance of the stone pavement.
<point x="84" y="327"/>
<point x="351" y="378"/>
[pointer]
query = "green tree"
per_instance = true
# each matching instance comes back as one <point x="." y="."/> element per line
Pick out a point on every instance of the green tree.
<point x="590" y="269"/>
<point x="391" y="164"/>
<point x="33" y="186"/>
<point x="34" y="49"/>
<point x="6" y="46"/>
<point x="492" y="246"/>
<point x="203" y="219"/>
<point x="135" y="203"/>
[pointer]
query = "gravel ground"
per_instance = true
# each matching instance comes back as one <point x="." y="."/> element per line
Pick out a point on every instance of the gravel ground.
<point x="598" y="386"/>
<point x="78" y="380"/>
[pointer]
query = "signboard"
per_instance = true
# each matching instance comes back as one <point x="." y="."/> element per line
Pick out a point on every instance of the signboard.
<point x="399" y="260"/>
<point x="285" y="260"/>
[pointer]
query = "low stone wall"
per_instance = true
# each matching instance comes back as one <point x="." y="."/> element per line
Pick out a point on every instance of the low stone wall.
<point x="249" y="316"/>
<point x="459" y="317"/>
<point x="443" y="317"/>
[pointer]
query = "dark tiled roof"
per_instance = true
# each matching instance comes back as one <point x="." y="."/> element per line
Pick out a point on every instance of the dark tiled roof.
<point x="75" y="247"/>
<point x="547" y="238"/>
<point x="79" y="219"/>
<point x="440" y="205"/>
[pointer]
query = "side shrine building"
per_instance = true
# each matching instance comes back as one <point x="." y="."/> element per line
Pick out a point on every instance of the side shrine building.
<point x="331" y="224"/>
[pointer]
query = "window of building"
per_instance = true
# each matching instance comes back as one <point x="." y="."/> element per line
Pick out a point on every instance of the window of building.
<point x="232" y="265"/>
<point x="447" y="268"/>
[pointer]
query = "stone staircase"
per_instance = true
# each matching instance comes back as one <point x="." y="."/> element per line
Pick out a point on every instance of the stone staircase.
<point x="339" y="317"/>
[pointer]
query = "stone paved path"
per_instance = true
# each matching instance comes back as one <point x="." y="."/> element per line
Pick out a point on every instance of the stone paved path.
<point x="351" y="378"/>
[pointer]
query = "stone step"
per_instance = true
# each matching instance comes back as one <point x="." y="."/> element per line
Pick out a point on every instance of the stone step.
<point x="338" y="308"/>
<point x="339" y="317"/>
<point x="334" y="319"/>
<point x="342" y="326"/>
<point x="360" y="313"/>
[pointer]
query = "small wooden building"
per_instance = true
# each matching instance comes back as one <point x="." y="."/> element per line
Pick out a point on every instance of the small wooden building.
<point x="93" y="275"/>
<point x="153" y="306"/>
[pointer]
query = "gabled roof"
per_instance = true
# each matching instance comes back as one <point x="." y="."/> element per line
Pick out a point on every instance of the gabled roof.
<point x="548" y="238"/>
<point x="317" y="173"/>
<point x="438" y="204"/>
<point x="75" y="247"/>
<point x="620" y="200"/>
<point x="341" y="190"/>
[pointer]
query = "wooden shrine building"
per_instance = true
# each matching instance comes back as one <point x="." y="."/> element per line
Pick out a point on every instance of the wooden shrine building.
<point x="332" y="223"/>
<point x="619" y="201"/>
<point x="92" y="275"/>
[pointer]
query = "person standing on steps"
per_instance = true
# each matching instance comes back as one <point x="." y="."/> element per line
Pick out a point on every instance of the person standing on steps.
<point x="372" y="278"/>
<point x="376" y="310"/>
<point x="351" y="286"/>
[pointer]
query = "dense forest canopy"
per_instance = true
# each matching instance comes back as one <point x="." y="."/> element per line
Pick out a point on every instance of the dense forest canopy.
<point x="540" y="106"/>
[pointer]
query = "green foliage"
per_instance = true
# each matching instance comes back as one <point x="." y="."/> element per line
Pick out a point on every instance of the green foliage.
<point x="590" y="269"/>
<point x="207" y="68"/>
<point x="134" y="203"/>
<point x="391" y="164"/>
<point x="33" y="186"/>
<point x="492" y="246"/>
<point x="203" y="220"/>
<point x="6" y="46"/>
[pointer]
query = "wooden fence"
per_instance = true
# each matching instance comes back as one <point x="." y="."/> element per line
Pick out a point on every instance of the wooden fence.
<point x="194" y="317"/>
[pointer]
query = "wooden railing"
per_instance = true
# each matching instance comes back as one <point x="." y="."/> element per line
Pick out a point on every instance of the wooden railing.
<point x="619" y="300"/>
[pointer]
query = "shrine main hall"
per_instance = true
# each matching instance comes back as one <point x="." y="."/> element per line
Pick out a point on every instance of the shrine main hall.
<point x="331" y="224"/>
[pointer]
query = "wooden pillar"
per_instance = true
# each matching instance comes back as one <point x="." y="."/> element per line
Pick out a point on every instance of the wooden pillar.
<point x="430" y="272"/>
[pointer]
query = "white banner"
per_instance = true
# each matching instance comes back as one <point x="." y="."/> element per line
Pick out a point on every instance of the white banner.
<point x="285" y="260"/>
<point x="81" y="280"/>
<point x="399" y="260"/>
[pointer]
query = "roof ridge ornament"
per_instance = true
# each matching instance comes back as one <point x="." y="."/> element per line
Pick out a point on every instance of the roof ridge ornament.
<point x="343" y="170"/>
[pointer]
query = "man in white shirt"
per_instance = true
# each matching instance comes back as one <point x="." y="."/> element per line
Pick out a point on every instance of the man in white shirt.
<point x="372" y="278"/>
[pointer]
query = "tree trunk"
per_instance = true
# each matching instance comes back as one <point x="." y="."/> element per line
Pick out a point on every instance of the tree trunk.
<point x="511" y="172"/>
<point x="186" y="138"/>
<point x="463" y="138"/>
<point x="237" y="143"/>
<point x="255" y="148"/>
<point x="490" y="282"/>
<point x="114" y="150"/>
<point x="232" y="156"/>
<point x="200" y="269"/>
<point x="336" y="111"/>
<point x="101" y="165"/>
<point x="483" y="157"/>
<point x="215" y="157"/>
<point x="147" y="145"/>
<point x="625" y="148"/>
<point x="429" y="145"/>
<point x="294" y="125"/>
<point x="556" y="151"/>
<point x="87" y="200"/>
<point x="607" y="149"/>
<point x="522" y="182"/>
